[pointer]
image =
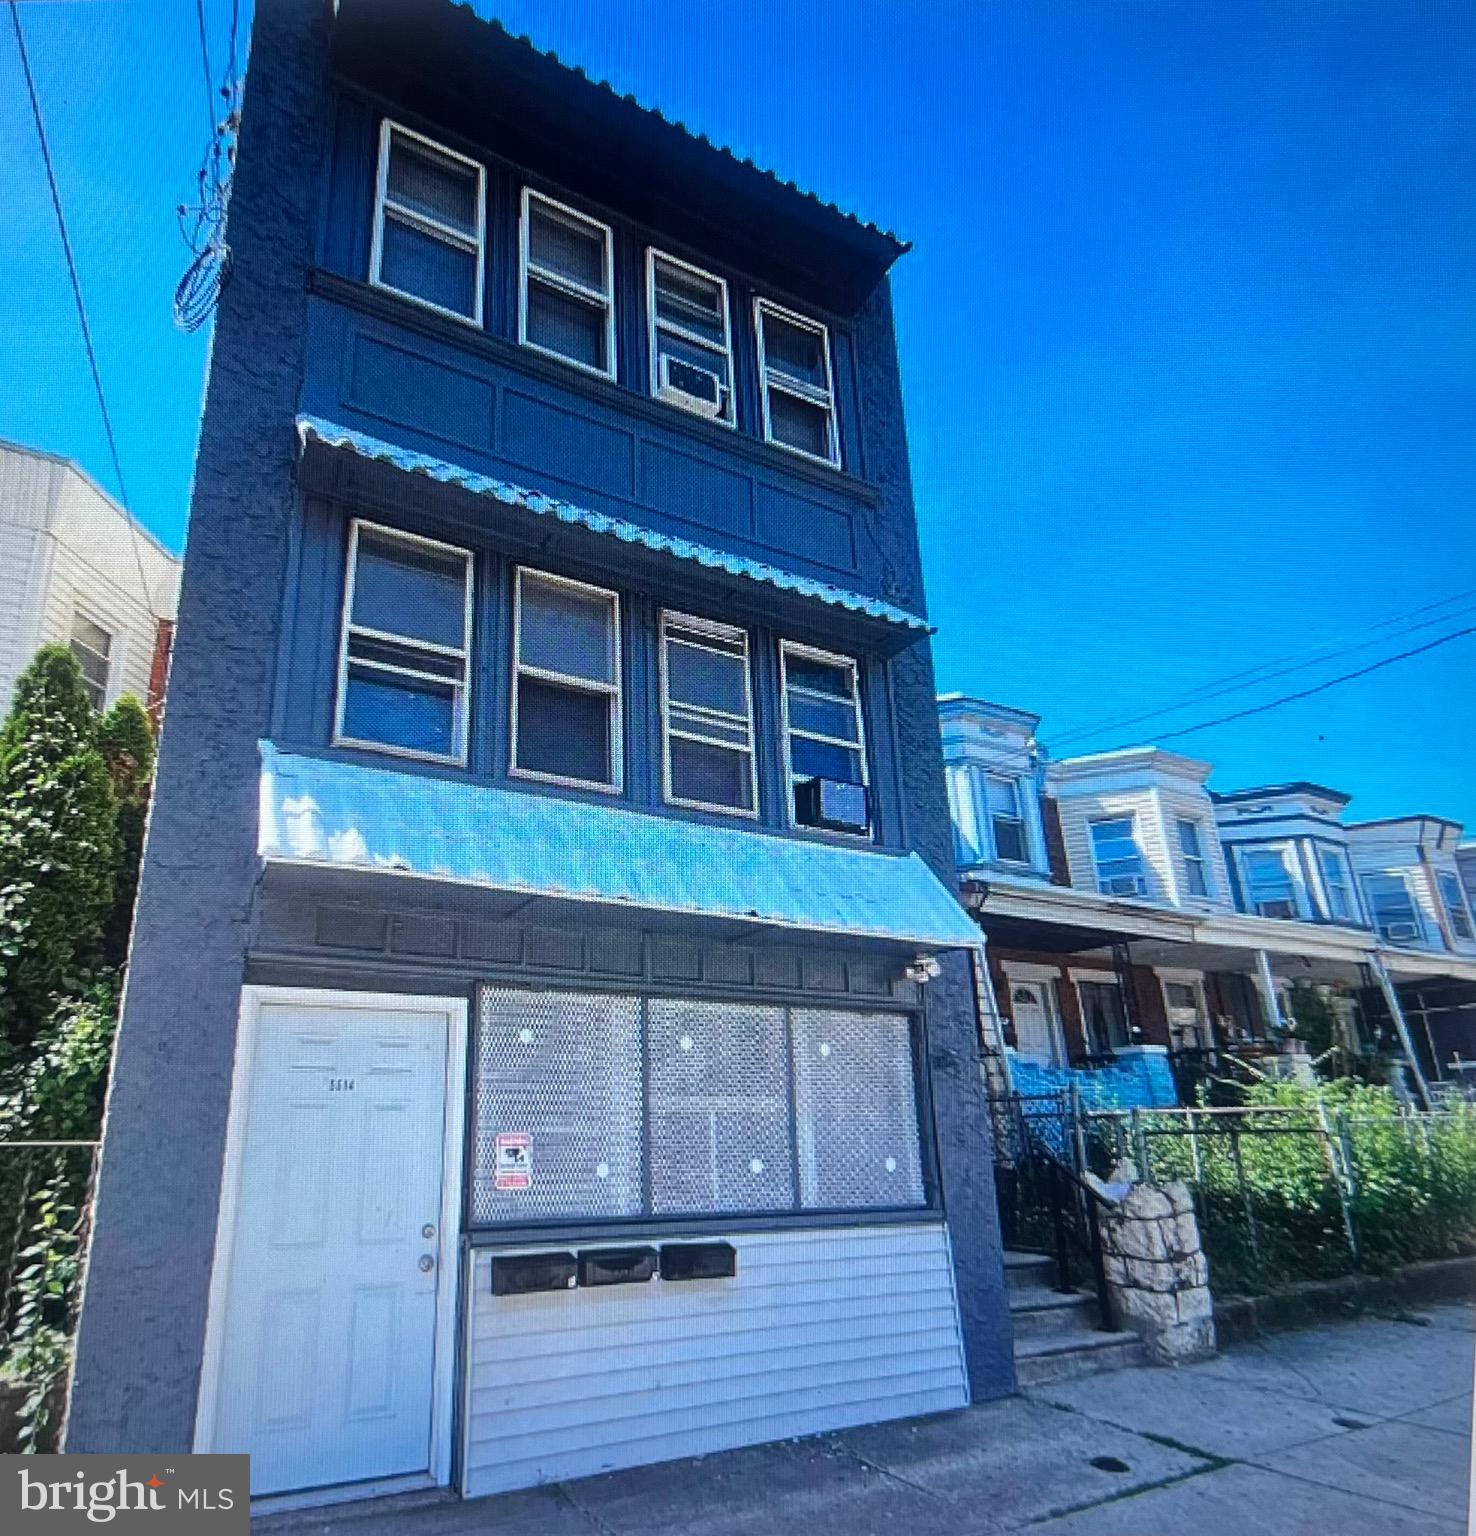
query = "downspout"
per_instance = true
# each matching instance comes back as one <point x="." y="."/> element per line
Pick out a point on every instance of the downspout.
<point x="1401" y="1028"/>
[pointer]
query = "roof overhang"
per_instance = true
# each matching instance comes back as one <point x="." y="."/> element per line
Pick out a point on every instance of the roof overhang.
<point x="1099" y="919"/>
<point x="566" y="857"/>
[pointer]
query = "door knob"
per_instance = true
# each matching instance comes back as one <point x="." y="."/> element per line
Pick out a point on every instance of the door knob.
<point x="427" y="1263"/>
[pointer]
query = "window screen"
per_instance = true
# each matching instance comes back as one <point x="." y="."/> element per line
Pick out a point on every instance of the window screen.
<point x="794" y="373"/>
<point x="92" y="645"/>
<point x="707" y="710"/>
<point x="568" y="285"/>
<point x="822" y="715"/>
<point x="688" y="314"/>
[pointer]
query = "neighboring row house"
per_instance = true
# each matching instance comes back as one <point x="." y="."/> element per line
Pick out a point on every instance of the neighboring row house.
<point x="1142" y="927"/>
<point x="576" y="1060"/>
<point x="77" y="570"/>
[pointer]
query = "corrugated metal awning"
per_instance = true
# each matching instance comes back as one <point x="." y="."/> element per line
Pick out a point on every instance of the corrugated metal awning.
<point x="313" y="429"/>
<point x="333" y="813"/>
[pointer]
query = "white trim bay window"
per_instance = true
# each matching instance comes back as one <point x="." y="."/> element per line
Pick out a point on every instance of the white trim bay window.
<point x="429" y="224"/>
<point x="707" y="716"/>
<point x="1196" y="865"/>
<point x="1007" y="829"/>
<point x="1270" y="890"/>
<point x="92" y="645"/>
<point x="674" y="1107"/>
<point x="1117" y="857"/>
<point x="824" y="737"/>
<point x="1453" y="899"/>
<point x="566" y="284"/>
<point x="691" y="346"/>
<point x="405" y="647"/>
<point x="566" y="683"/>
<point x="1395" y="914"/>
<point x="1335" y="884"/>
<point x="795" y="382"/>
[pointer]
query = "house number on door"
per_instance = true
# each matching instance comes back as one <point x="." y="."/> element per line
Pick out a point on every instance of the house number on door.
<point x="340" y="1085"/>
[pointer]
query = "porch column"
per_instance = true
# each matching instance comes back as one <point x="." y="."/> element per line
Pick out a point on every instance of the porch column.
<point x="1266" y="985"/>
<point x="1396" y="1012"/>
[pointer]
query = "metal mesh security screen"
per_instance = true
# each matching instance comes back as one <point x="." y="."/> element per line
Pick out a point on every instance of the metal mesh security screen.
<point x="857" y="1110"/>
<point x="719" y="1108"/>
<point x="564" y="1069"/>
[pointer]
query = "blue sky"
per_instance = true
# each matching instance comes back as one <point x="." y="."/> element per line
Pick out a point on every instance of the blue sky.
<point x="1186" y="336"/>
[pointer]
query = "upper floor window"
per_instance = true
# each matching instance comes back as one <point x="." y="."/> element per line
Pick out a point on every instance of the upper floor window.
<point x="690" y="343"/>
<point x="1006" y="819"/>
<point x="1196" y="866"/>
<point x="795" y="382"/>
<point x="566" y="684"/>
<point x="429" y="224"/>
<point x="1335" y="883"/>
<point x="92" y="645"/>
<point x="707" y="716"/>
<point x="1118" y="858"/>
<point x="566" y="304"/>
<point x="1269" y="888"/>
<point x="825" y="744"/>
<point x="405" y="647"/>
<point x="1453" y="898"/>
<point x="1394" y="911"/>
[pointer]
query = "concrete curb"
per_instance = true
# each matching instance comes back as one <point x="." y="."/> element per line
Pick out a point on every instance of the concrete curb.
<point x="1319" y="1301"/>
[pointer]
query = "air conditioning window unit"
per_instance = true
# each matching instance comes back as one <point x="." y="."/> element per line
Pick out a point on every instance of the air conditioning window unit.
<point x="835" y="804"/>
<point x="695" y="389"/>
<point x="1398" y="933"/>
<point x="1127" y="885"/>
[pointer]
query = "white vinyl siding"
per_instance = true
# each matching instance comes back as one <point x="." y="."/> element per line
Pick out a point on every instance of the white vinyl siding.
<point x="95" y="651"/>
<point x="817" y="1331"/>
<point x="1453" y="899"/>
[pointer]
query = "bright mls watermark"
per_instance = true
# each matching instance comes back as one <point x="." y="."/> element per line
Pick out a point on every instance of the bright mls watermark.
<point x="129" y="1494"/>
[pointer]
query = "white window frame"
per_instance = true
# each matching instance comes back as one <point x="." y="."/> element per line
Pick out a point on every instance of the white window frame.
<point x="1414" y="905"/>
<point x="794" y="387"/>
<point x="110" y="661"/>
<point x="1460" y="911"/>
<point x="347" y="629"/>
<point x="788" y="648"/>
<point x="426" y="224"/>
<point x="527" y="269"/>
<point x="1199" y="859"/>
<point x="613" y="691"/>
<point x="1204" y="1024"/>
<point x="1289" y="867"/>
<point x="1131" y="818"/>
<point x="728" y="417"/>
<point x="1027" y="860"/>
<point x="731" y="633"/>
<point x="1343" y="882"/>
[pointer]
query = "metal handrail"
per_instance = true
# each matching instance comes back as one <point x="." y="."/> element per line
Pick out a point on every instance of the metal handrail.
<point x="1069" y="1189"/>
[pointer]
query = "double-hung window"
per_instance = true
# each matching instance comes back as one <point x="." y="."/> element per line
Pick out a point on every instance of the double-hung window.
<point x="566" y="688"/>
<point x="795" y="382"/>
<point x="1196" y="866"/>
<point x="92" y="645"/>
<point x="1006" y="819"/>
<point x="1395" y="914"/>
<point x="690" y="342"/>
<point x="707" y="716"/>
<point x="1453" y="898"/>
<point x="823" y="732"/>
<point x="429" y="224"/>
<point x="405" y="649"/>
<point x="1269" y="888"/>
<point x="1118" y="858"/>
<point x="1335" y="883"/>
<point x="567" y="285"/>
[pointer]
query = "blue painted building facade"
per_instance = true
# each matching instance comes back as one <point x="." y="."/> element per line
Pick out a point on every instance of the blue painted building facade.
<point x="551" y="782"/>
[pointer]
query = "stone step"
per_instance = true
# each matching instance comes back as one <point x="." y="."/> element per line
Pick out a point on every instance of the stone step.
<point x="1037" y="1312"/>
<point x="1027" y="1271"/>
<point x="1065" y="1356"/>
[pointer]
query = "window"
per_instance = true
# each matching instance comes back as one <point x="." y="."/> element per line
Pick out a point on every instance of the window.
<point x="679" y="1107"/>
<point x="691" y="347"/>
<point x="1394" y="912"/>
<point x="1196" y="868"/>
<point x="429" y="220"/>
<point x="1335" y="883"/>
<point x="822" y="719"/>
<point x="707" y="714"/>
<point x="1006" y="820"/>
<point x="1269" y="888"/>
<point x="1116" y="855"/>
<point x="567" y="297"/>
<point x="1103" y="1016"/>
<point x="795" y="383"/>
<point x="406" y="645"/>
<point x="1454" y="901"/>
<point x="566" y="691"/>
<point x="92" y="645"/>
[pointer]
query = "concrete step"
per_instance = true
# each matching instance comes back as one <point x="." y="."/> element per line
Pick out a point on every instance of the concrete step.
<point x="1039" y="1313"/>
<point x="1028" y="1271"/>
<point x="1065" y="1356"/>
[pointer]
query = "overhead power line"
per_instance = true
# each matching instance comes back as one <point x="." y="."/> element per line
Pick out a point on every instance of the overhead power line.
<point x="97" y="384"/>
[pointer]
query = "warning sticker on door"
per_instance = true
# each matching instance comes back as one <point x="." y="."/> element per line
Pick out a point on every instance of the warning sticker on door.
<point x="513" y="1168"/>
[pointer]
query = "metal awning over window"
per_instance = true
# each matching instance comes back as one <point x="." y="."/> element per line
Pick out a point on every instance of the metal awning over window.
<point x="329" y="813"/>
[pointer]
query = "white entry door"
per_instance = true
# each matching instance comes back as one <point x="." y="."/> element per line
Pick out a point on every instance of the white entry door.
<point x="331" y="1305"/>
<point x="1035" y="1022"/>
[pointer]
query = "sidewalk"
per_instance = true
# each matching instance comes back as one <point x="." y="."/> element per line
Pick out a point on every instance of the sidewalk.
<point x="1355" y="1428"/>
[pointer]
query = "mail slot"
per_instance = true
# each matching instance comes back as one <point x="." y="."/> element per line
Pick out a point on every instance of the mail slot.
<point x="518" y="1274"/>
<point x="698" y="1261"/>
<point x="616" y="1266"/>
